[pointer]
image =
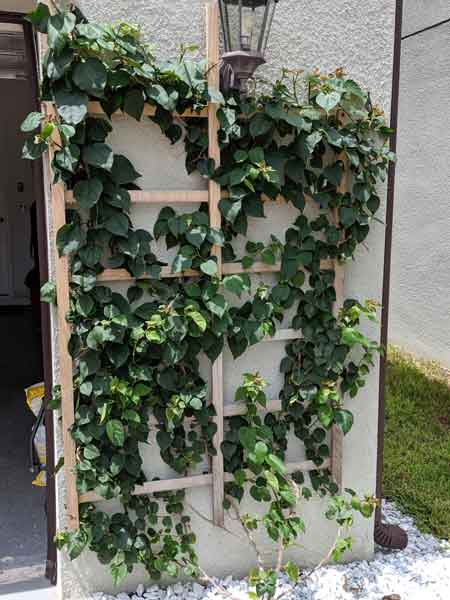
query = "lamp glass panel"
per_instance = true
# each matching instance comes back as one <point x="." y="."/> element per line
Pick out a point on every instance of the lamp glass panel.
<point x="244" y="22"/>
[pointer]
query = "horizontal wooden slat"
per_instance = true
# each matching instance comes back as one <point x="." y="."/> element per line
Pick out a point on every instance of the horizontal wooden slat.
<point x="234" y="410"/>
<point x="283" y="335"/>
<point x="158" y="197"/>
<point x="194" y="481"/>
<point x="227" y="269"/>
<point x="123" y="275"/>
<point x="172" y="197"/>
<point x="257" y="267"/>
<point x="95" y="108"/>
<point x="163" y="485"/>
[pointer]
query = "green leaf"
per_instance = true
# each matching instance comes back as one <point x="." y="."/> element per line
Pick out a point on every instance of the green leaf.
<point x="247" y="437"/>
<point x="196" y="403"/>
<point x="118" y="224"/>
<point x="278" y="465"/>
<point x="98" y="155"/>
<point x="161" y="97"/>
<point x="216" y="237"/>
<point x="118" y="354"/>
<point x="228" y="449"/>
<point x="229" y="209"/>
<point x="256" y="155"/>
<point x="209" y="267"/>
<point x="118" y="572"/>
<point x="91" y="452"/>
<point x="260" y="451"/>
<point x="97" y="337"/>
<point x="326" y="416"/>
<point x="260" y="125"/>
<point x="134" y="103"/>
<point x="85" y="304"/>
<point x="237" y="284"/>
<point x="362" y="192"/>
<point x="333" y="173"/>
<point x="240" y="156"/>
<point x="71" y="106"/>
<point x="132" y="416"/>
<point x="198" y="319"/>
<point x="344" y="419"/>
<point x="59" y="26"/>
<point x="32" y="122"/>
<point x="77" y="543"/>
<point x="272" y="480"/>
<point x="328" y="101"/>
<point x="48" y="293"/>
<point x="32" y="151"/>
<point x="90" y="76"/>
<point x="57" y="65"/>
<point x="68" y="158"/>
<point x="348" y="215"/>
<point x="352" y="337"/>
<point x="196" y="236"/>
<point x="115" y="432"/>
<point x="90" y="363"/>
<point x="164" y="440"/>
<point x="39" y="17"/>
<point x="87" y="193"/>
<point x="268" y="257"/>
<point x="122" y="170"/>
<point x="69" y="238"/>
<point x="217" y="305"/>
<point x="215" y="96"/>
<point x="292" y="571"/>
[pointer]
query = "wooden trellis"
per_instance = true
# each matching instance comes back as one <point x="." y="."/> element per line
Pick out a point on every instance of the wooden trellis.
<point x="59" y="199"/>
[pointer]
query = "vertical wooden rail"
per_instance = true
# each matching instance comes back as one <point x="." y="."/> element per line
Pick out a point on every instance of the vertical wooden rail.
<point x="65" y="360"/>
<point x="336" y="433"/>
<point x="212" y="42"/>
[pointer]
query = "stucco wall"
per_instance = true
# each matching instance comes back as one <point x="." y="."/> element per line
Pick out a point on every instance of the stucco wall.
<point x="305" y="34"/>
<point x="420" y="313"/>
<point x="418" y="14"/>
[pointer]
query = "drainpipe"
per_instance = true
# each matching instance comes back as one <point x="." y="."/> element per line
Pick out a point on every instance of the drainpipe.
<point x="389" y="536"/>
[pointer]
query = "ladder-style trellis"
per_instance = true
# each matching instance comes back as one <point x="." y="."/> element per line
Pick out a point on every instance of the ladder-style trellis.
<point x="60" y="198"/>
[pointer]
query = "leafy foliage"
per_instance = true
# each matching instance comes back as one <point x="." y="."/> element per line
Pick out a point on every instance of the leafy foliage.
<point x="139" y="355"/>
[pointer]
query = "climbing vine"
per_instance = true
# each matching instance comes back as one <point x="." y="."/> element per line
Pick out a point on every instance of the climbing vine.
<point x="138" y="355"/>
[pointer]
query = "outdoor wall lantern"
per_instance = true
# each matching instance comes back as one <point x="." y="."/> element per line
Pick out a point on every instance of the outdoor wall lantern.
<point x="246" y="28"/>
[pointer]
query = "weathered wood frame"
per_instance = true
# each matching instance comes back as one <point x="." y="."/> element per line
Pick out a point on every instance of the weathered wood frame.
<point x="59" y="199"/>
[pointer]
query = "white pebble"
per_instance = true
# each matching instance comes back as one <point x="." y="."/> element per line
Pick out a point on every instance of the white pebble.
<point x="421" y="572"/>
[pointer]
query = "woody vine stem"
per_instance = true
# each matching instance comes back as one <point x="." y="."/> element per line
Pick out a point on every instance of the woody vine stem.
<point x="137" y="355"/>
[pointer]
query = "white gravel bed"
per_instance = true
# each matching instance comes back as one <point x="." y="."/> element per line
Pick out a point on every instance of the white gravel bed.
<point x="421" y="572"/>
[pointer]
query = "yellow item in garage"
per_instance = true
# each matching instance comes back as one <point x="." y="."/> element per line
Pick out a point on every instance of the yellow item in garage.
<point x="35" y="397"/>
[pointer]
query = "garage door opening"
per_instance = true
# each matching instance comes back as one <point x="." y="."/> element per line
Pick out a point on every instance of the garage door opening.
<point x="26" y="488"/>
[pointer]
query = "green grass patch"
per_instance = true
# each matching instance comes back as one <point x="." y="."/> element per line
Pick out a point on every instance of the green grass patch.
<point x="417" y="442"/>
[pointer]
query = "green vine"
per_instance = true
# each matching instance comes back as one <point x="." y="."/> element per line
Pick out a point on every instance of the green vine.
<point x="137" y="356"/>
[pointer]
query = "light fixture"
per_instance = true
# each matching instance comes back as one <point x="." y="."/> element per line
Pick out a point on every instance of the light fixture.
<point x="246" y="28"/>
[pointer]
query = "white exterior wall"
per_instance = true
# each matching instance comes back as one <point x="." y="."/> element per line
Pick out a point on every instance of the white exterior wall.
<point x="420" y="311"/>
<point x="306" y="34"/>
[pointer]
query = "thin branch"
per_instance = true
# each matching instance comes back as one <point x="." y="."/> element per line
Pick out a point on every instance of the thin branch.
<point x="328" y="555"/>
<point x="249" y="536"/>
<point x="218" y="586"/>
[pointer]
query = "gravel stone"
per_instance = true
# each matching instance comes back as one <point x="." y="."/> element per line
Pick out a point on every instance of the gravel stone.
<point x="421" y="572"/>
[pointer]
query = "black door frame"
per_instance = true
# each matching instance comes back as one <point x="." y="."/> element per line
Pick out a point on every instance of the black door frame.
<point x="38" y="186"/>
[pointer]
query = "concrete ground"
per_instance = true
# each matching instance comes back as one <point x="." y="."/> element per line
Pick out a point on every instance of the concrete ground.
<point x="22" y="505"/>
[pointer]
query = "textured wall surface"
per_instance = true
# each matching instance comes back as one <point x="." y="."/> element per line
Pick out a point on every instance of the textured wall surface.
<point x="420" y="313"/>
<point x="418" y="14"/>
<point x="306" y="34"/>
